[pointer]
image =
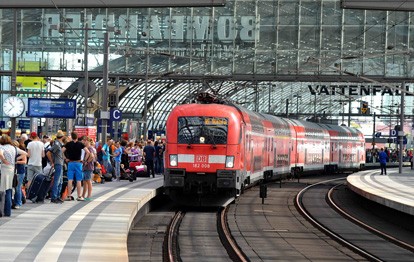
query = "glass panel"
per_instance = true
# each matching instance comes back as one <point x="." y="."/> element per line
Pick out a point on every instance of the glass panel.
<point x="202" y="130"/>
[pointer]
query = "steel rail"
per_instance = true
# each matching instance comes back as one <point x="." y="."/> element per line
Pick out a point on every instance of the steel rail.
<point x="366" y="226"/>
<point x="301" y="208"/>
<point x="234" y="251"/>
<point x="172" y="243"/>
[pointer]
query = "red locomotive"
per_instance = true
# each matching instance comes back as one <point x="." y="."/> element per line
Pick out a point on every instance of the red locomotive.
<point x="218" y="149"/>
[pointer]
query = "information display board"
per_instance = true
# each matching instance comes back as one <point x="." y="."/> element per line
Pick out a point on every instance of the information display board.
<point x="51" y="108"/>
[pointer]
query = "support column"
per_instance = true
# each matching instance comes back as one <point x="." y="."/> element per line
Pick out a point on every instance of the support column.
<point x="104" y="101"/>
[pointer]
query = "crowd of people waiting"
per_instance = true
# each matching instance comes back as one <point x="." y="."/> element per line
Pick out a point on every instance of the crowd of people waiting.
<point x="372" y="155"/>
<point x="77" y="157"/>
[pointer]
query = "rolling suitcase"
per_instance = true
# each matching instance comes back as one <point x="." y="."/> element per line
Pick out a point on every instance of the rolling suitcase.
<point x="141" y="171"/>
<point x="39" y="187"/>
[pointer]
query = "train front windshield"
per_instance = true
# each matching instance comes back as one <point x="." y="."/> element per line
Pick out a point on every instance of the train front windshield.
<point x="202" y="130"/>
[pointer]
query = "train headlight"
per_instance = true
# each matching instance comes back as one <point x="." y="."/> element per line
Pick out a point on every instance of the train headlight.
<point x="173" y="160"/>
<point x="230" y="161"/>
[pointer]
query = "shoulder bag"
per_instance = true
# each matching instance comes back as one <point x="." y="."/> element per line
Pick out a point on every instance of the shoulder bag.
<point x="15" y="180"/>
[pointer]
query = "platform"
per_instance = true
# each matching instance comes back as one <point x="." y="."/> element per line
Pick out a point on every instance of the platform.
<point x="94" y="230"/>
<point x="393" y="190"/>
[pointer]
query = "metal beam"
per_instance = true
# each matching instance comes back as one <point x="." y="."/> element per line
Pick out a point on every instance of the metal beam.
<point x="107" y="3"/>
<point x="199" y="77"/>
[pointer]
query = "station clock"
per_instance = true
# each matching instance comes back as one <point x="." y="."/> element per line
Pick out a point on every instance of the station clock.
<point x="13" y="106"/>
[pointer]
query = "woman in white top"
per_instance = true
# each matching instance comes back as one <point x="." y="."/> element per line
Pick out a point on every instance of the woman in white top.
<point x="8" y="161"/>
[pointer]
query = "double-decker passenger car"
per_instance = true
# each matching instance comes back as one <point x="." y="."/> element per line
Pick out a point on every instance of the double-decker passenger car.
<point x="218" y="149"/>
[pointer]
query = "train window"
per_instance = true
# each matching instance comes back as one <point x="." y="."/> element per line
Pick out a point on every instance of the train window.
<point x="202" y="130"/>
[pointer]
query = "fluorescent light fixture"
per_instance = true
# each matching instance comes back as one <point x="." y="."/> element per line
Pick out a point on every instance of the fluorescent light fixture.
<point x="390" y="5"/>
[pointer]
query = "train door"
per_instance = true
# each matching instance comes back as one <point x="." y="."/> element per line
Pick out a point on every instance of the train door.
<point x="357" y="152"/>
<point x="247" y="153"/>
<point x="305" y="160"/>
<point x="289" y="152"/>
<point x="271" y="154"/>
<point x="275" y="150"/>
<point x="323" y="155"/>
<point x="251" y="143"/>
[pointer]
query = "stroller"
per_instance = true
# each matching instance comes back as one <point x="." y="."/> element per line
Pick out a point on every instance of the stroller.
<point x="105" y="175"/>
<point x="125" y="171"/>
<point x="127" y="174"/>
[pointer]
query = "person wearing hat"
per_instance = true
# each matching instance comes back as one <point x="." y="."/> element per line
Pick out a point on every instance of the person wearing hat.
<point x="55" y="156"/>
<point x="31" y="137"/>
<point x="35" y="152"/>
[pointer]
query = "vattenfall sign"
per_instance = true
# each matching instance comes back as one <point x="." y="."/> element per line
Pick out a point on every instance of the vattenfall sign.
<point x="358" y="90"/>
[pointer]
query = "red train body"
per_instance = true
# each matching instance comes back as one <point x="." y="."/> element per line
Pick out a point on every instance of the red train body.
<point x="216" y="150"/>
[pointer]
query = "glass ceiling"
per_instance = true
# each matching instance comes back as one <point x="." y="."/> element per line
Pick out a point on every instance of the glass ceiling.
<point x="293" y="58"/>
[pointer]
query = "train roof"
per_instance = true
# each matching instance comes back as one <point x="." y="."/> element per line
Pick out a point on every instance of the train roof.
<point x="255" y="116"/>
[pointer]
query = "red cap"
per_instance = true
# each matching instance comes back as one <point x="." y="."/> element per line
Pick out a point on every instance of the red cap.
<point x="33" y="134"/>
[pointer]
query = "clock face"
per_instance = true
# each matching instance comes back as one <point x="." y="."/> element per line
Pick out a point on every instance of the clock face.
<point x="13" y="106"/>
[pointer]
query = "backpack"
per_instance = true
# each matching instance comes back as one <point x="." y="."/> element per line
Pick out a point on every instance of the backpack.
<point x="45" y="160"/>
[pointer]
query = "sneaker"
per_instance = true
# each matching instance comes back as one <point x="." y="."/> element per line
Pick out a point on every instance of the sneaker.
<point x="88" y="199"/>
<point x="56" y="201"/>
<point x="80" y="199"/>
<point x="15" y="207"/>
<point x="69" y="198"/>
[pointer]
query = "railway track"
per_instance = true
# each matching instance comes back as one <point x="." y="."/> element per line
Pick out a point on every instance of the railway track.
<point x="206" y="222"/>
<point x="347" y="229"/>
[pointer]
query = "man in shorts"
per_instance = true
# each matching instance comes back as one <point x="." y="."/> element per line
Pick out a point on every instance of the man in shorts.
<point x="73" y="153"/>
<point x="35" y="152"/>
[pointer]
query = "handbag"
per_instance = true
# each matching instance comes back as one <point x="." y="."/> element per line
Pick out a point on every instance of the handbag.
<point x="15" y="181"/>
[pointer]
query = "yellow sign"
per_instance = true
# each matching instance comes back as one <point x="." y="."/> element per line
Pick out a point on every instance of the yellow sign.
<point x="215" y="121"/>
<point x="30" y="83"/>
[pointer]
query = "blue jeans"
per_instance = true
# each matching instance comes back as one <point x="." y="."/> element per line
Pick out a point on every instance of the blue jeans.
<point x="117" y="169"/>
<point x="108" y="166"/>
<point x="18" y="193"/>
<point x="57" y="182"/>
<point x="158" y="165"/>
<point x="7" y="202"/>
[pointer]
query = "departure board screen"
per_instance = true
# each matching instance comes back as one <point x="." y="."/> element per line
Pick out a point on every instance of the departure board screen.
<point x="51" y="108"/>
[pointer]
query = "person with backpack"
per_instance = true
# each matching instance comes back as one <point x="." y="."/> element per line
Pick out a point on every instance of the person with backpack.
<point x="55" y="157"/>
<point x="106" y="156"/>
<point x="47" y="145"/>
<point x="99" y="153"/>
<point x="35" y="152"/>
